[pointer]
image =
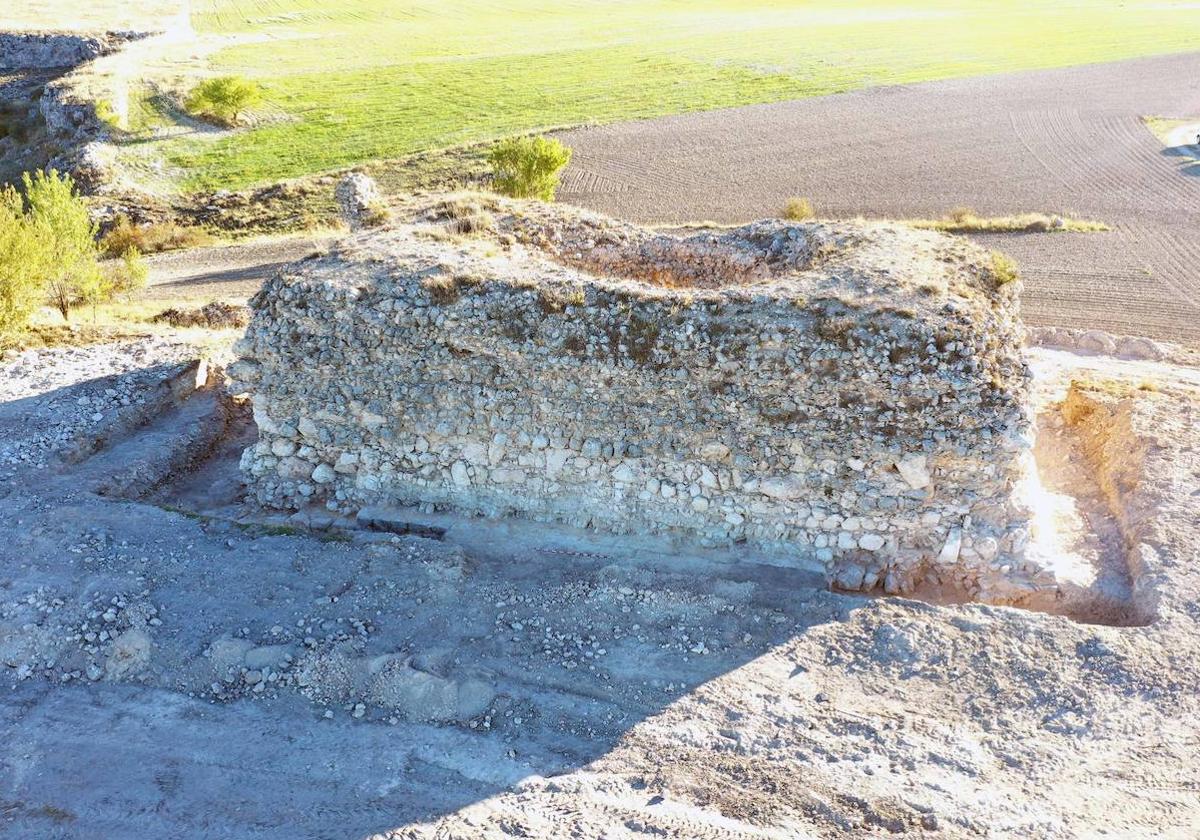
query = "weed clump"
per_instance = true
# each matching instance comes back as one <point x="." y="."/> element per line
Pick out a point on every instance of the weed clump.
<point x="798" y="210"/>
<point x="151" y="238"/>
<point x="528" y="167"/>
<point x="107" y="114"/>
<point x="1003" y="268"/>
<point x="465" y="216"/>
<point x="552" y="301"/>
<point x="376" y="214"/>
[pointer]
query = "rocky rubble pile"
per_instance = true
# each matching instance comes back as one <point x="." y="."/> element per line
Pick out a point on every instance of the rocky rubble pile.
<point x="848" y="393"/>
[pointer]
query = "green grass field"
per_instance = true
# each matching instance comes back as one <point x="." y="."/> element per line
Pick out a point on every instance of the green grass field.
<point x="357" y="80"/>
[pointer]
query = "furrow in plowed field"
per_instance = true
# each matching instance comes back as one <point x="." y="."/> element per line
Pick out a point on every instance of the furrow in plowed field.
<point x="1069" y="141"/>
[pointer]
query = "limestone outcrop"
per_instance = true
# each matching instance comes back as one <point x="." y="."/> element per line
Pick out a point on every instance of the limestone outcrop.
<point x="850" y="392"/>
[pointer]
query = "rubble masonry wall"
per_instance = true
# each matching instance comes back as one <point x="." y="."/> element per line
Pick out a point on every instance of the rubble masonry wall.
<point x="854" y="394"/>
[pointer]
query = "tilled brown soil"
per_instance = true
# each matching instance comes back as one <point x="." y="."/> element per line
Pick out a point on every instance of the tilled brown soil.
<point x="1068" y="141"/>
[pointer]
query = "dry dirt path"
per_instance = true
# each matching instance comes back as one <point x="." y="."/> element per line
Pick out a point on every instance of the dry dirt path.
<point x="1062" y="140"/>
<point x="226" y="271"/>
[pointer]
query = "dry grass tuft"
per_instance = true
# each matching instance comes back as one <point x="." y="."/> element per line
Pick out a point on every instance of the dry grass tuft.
<point x="966" y="220"/>
<point x="216" y="315"/>
<point x="152" y="238"/>
<point x="1004" y="269"/>
<point x="442" y="289"/>
<point x="798" y="210"/>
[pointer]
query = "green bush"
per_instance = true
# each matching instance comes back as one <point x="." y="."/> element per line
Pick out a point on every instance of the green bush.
<point x="71" y="272"/>
<point x="798" y="210"/>
<point x="224" y="98"/>
<point x="22" y="258"/>
<point x="528" y="167"/>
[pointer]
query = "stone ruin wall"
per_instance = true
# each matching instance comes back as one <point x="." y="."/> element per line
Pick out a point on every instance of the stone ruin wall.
<point x="794" y="388"/>
<point x="47" y="50"/>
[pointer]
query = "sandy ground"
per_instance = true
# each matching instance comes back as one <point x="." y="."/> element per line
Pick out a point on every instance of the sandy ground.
<point x="166" y="674"/>
<point x="1068" y="141"/>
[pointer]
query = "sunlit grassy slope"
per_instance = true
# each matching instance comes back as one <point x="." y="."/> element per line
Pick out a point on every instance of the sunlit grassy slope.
<point x="364" y="79"/>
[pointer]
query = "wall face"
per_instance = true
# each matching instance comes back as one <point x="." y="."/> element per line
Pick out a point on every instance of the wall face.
<point x="45" y="50"/>
<point x="884" y="441"/>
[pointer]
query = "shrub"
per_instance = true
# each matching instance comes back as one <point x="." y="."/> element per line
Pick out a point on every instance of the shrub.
<point x="151" y="238"/>
<point x="22" y="254"/>
<point x="224" y="98"/>
<point x="1004" y="270"/>
<point x="798" y="210"/>
<point x="528" y="167"/>
<point x="71" y="272"/>
<point x="125" y="275"/>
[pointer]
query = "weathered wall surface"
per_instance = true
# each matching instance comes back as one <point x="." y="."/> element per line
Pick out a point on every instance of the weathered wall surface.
<point x="853" y="393"/>
<point x="46" y="50"/>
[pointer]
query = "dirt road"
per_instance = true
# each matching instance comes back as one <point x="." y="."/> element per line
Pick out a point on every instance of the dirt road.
<point x="225" y="271"/>
<point x="1062" y="141"/>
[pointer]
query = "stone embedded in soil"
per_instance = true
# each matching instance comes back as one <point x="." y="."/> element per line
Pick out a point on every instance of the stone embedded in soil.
<point x="852" y="393"/>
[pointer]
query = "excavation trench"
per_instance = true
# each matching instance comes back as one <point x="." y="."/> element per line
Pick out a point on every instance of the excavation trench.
<point x="1087" y="458"/>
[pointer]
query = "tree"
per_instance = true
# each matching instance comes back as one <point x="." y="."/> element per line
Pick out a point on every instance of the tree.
<point x="71" y="271"/>
<point x="22" y="262"/>
<point x="528" y="167"/>
<point x="225" y="98"/>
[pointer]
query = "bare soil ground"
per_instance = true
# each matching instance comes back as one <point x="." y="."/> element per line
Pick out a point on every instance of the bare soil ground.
<point x="1069" y="141"/>
<point x="174" y="663"/>
<point x="226" y="271"/>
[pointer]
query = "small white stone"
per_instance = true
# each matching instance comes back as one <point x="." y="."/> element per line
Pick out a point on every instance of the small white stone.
<point x="914" y="471"/>
<point x="870" y="542"/>
<point x="951" y="548"/>
<point x="714" y="452"/>
<point x="623" y="473"/>
<point x="784" y="489"/>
